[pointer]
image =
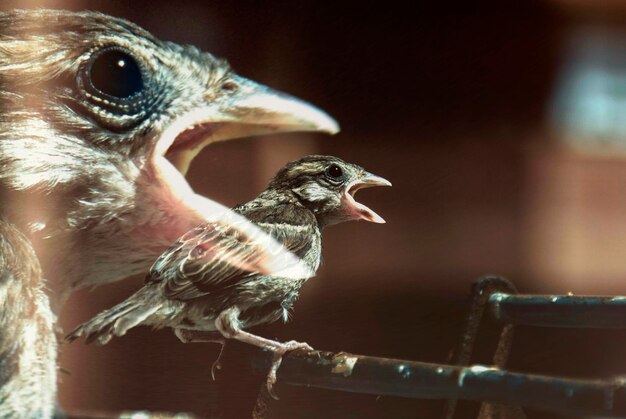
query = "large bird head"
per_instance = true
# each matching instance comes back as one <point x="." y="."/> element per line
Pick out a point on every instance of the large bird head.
<point x="326" y="185"/>
<point x="99" y="121"/>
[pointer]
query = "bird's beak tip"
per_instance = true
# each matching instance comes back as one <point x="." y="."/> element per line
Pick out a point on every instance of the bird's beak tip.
<point x="386" y="183"/>
<point x="262" y="106"/>
<point x="370" y="180"/>
<point x="330" y="126"/>
<point x="298" y="115"/>
<point x="379" y="220"/>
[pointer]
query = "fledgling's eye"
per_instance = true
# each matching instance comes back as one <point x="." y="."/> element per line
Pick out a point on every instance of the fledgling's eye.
<point x="334" y="173"/>
<point x="114" y="72"/>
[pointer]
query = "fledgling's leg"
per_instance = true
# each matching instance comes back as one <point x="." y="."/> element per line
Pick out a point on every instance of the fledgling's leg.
<point x="192" y="336"/>
<point x="228" y="325"/>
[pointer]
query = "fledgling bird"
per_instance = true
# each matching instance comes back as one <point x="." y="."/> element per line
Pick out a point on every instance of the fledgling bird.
<point x="195" y="286"/>
<point x="99" y="121"/>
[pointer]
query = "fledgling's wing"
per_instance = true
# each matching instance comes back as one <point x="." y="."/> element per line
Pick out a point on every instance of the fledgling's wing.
<point x="209" y="258"/>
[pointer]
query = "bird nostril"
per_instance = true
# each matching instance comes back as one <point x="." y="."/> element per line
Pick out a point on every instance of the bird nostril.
<point x="230" y="86"/>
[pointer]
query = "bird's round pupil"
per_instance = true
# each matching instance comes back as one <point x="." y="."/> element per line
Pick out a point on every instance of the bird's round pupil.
<point x="116" y="74"/>
<point x="335" y="171"/>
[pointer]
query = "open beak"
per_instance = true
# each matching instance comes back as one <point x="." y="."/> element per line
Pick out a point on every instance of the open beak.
<point x="246" y="110"/>
<point x="355" y="210"/>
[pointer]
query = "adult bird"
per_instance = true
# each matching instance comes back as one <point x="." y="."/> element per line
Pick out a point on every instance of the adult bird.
<point x="203" y="282"/>
<point x="99" y="121"/>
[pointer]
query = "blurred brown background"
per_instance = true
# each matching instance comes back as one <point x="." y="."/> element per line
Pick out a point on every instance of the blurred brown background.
<point x="502" y="128"/>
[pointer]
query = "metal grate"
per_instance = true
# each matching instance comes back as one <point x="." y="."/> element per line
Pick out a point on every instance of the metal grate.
<point x="502" y="393"/>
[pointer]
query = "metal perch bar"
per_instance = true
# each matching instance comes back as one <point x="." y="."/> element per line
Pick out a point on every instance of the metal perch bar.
<point x="392" y="377"/>
<point x="559" y="310"/>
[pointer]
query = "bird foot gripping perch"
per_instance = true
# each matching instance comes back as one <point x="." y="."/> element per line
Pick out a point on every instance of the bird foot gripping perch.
<point x="228" y="325"/>
<point x="279" y="352"/>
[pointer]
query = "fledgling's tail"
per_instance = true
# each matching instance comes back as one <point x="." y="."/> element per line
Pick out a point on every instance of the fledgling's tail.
<point x="118" y="320"/>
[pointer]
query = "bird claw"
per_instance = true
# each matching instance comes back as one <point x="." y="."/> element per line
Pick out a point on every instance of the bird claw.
<point x="271" y="378"/>
<point x="279" y="352"/>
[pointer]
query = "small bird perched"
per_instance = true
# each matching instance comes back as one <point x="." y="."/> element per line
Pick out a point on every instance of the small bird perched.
<point x="202" y="283"/>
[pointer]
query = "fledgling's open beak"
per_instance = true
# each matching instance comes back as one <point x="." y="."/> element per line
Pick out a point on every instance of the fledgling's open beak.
<point x="355" y="210"/>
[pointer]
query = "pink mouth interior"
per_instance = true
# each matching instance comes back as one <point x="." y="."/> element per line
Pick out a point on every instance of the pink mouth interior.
<point x="191" y="138"/>
<point x="359" y="210"/>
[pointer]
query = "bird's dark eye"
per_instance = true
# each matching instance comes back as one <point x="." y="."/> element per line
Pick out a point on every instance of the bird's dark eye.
<point x="115" y="73"/>
<point x="334" y="173"/>
<point x="115" y="88"/>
